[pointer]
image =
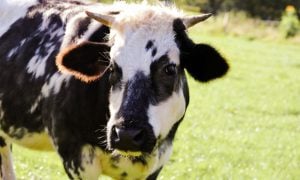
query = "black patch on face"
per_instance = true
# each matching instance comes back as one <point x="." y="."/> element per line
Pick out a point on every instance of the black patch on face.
<point x="154" y="51"/>
<point x="149" y="45"/>
<point x="142" y="91"/>
<point x="135" y="100"/>
<point x="134" y="108"/>
<point x="162" y="83"/>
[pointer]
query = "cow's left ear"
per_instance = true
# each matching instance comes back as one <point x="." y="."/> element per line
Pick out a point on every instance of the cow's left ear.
<point x="204" y="63"/>
<point x="87" y="61"/>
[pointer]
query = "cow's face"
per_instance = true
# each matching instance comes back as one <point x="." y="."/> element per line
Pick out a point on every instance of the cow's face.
<point x="148" y="54"/>
<point x="147" y="96"/>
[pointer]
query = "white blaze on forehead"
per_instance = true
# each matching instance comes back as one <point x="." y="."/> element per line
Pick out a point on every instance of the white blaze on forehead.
<point x="12" y="10"/>
<point x="133" y="56"/>
<point x="163" y="116"/>
<point x="133" y="29"/>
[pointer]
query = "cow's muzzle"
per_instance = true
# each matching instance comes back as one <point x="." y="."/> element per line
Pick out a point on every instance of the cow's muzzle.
<point x="132" y="140"/>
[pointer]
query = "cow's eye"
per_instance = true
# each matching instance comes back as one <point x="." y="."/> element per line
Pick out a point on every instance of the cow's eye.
<point x="170" y="69"/>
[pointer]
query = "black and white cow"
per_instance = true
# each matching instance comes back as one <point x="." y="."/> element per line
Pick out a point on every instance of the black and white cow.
<point x="108" y="96"/>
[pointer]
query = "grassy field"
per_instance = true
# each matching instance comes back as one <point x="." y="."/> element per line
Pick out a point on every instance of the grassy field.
<point x="244" y="126"/>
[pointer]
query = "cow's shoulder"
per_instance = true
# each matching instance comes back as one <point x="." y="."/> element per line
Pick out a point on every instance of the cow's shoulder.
<point x="28" y="47"/>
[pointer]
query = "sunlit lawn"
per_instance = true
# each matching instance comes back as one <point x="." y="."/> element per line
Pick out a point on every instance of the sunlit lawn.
<point x="244" y="126"/>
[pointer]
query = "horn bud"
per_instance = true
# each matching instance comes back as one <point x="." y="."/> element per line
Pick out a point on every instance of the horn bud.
<point x="102" y="18"/>
<point x="190" y="21"/>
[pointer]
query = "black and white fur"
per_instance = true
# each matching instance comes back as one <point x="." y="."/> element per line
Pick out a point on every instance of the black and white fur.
<point x="107" y="99"/>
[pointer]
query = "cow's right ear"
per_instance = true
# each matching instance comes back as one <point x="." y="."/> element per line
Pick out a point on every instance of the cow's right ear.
<point x="204" y="63"/>
<point x="87" y="61"/>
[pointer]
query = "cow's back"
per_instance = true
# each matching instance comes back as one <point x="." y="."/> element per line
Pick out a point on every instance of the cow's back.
<point x="31" y="88"/>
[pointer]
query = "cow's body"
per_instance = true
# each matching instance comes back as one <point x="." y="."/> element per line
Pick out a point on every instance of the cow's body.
<point x="43" y="109"/>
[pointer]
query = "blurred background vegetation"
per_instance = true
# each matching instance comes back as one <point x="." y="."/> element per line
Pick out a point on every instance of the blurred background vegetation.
<point x="264" y="9"/>
<point x="252" y="19"/>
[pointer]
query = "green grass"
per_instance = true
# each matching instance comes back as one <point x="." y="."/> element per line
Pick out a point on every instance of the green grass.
<point x="244" y="126"/>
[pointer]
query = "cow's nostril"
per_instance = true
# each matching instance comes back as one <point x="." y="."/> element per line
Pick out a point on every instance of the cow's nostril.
<point x="127" y="139"/>
<point x="139" y="137"/>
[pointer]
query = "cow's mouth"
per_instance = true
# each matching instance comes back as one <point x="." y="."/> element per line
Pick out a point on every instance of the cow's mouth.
<point x="137" y="154"/>
<point x="128" y="153"/>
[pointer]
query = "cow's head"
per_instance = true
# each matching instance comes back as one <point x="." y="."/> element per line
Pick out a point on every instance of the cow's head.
<point x="149" y="52"/>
